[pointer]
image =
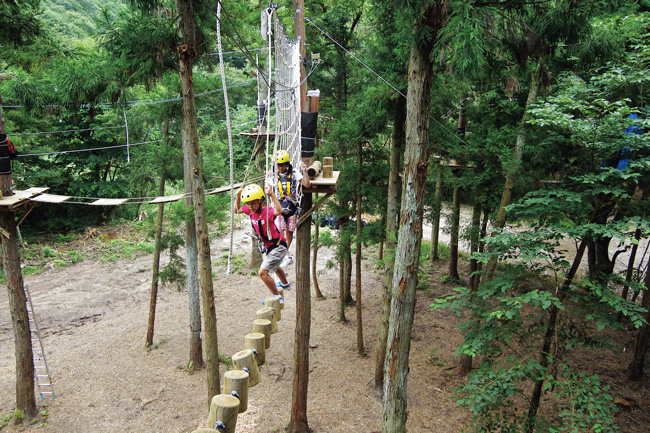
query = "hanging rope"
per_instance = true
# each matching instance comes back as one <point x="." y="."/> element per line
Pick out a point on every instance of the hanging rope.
<point x="232" y="176"/>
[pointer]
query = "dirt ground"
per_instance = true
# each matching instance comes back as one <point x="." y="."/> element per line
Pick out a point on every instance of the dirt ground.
<point x="93" y="317"/>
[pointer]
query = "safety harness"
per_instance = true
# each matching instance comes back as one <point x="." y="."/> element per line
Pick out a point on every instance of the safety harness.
<point x="261" y="238"/>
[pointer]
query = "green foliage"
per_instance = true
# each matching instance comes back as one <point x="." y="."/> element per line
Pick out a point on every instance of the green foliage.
<point x="174" y="271"/>
<point x="19" y="414"/>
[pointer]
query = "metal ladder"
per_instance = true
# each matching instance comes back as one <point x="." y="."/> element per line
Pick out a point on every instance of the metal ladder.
<point x="41" y="370"/>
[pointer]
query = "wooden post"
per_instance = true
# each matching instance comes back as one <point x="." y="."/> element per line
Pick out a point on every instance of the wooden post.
<point x="256" y="341"/>
<point x="275" y="304"/>
<point x="235" y="383"/>
<point x="298" y="422"/>
<point x="281" y="292"/>
<point x="25" y="399"/>
<point x="245" y="360"/>
<point x="314" y="169"/>
<point x="328" y="167"/>
<point x="263" y="326"/>
<point x="268" y="313"/>
<point x="223" y="413"/>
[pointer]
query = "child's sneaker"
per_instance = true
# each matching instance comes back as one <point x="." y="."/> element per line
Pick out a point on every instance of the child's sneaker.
<point x="283" y="286"/>
<point x="280" y="298"/>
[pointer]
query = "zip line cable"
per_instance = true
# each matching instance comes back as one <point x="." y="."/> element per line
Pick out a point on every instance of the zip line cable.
<point x="146" y="101"/>
<point x="66" y="130"/>
<point x="455" y="135"/>
<point x="23" y="155"/>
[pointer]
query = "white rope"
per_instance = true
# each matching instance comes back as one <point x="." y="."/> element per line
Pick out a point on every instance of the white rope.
<point x="232" y="176"/>
<point x="66" y="130"/>
<point x="22" y="155"/>
<point x="269" y="33"/>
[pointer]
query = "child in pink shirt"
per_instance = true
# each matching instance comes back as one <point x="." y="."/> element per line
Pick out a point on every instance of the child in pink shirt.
<point x="263" y="222"/>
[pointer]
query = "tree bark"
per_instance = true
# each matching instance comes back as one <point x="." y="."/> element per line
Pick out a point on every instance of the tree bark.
<point x="25" y="400"/>
<point x="635" y="369"/>
<point x="156" y="264"/>
<point x="455" y="227"/>
<point x="342" y="302"/>
<point x="298" y="422"/>
<point x="314" y="275"/>
<point x="186" y="55"/>
<point x="474" y="244"/>
<point x="630" y="270"/>
<point x="347" y="269"/>
<point x="394" y="193"/>
<point x="407" y="258"/>
<point x="360" y="346"/>
<point x="192" y="266"/>
<point x="435" y="223"/>
<point x="466" y="360"/>
<point x="513" y="170"/>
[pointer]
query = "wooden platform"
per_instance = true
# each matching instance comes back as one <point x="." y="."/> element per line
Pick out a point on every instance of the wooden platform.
<point x="321" y="185"/>
<point x="260" y="135"/>
<point x="20" y="198"/>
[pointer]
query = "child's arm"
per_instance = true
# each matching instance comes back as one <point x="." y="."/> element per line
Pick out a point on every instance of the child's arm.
<point x="305" y="176"/>
<point x="277" y="207"/>
<point x="238" y="208"/>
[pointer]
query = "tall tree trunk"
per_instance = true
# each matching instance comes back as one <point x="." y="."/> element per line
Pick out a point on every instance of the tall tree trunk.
<point x="192" y="266"/>
<point x="394" y="193"/>
<point x="342" y="301"/>
<point x="481" y="244"/>
<point x="475" y="232"/>
<point x="314" y="275"/>
<point x="635" y="369"/>
<point x="25" y="399"/>
<point x="455" y="228"/>
<point x="156" y="264"/>
<point x="360" y="346"/>
<point x="407" y="258"/>
<point x="549" y="337"/>
<point x="466" y="360"/>
<point x="186" y="55"/>
<point x="513" y="170"/>
<point x="347" y="282"/>
<point x="298" y="422"/>
<point x="630" y="270"/>
<point x="435" y="223"/>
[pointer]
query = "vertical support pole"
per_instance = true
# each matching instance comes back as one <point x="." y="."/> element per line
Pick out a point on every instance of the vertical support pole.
<point x="25" y="399"/>
<point x="298" y="422"/>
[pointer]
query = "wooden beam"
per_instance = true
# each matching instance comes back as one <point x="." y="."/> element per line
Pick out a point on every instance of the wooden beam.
<point x="24" y="215"/>
<point x="314" y="208"/>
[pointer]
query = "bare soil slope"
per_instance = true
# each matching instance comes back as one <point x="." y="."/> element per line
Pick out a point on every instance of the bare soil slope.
<point x="93" y="316"/>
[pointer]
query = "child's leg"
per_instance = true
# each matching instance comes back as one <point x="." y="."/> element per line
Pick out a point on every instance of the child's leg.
<point x="268" y="280"/>
<point x="281" y="275"/>
<point x="289" y="236"/>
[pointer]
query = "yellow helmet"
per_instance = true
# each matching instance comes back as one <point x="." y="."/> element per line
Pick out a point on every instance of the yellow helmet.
<point x="252" y="192"/>
<point x="282" y="157"/>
